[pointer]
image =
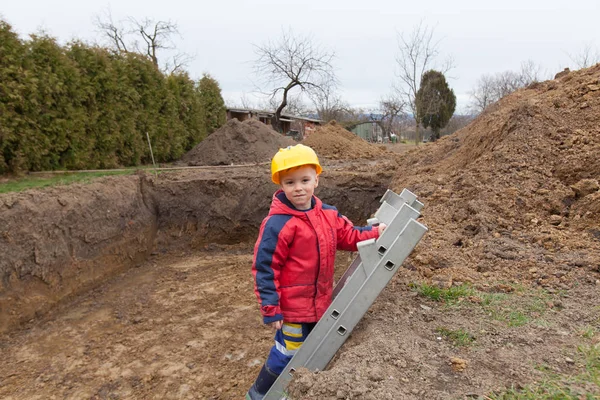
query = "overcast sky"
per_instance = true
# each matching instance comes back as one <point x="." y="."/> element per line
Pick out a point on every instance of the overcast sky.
<point x="482" y="37"/>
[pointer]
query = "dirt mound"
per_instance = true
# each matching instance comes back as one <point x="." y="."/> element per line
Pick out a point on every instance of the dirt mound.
<point x="237" y="142"/>
<point x="515" y="194"/>
<point x="333" y="141"/>
<point x="512" y="200"/>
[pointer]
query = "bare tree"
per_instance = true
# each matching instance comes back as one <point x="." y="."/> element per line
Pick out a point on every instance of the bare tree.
<point x="483" y="94"/>
<point x="329" y="104"/>
<point x="392" y="108"/>
<point x="491" y="88"/>
<point x="295" y="105"/>
<point x="245" y="102"/>
<point x="587" y="57"/>
<point x="156" y="36"/>
<point x="147" y="37"/>
<point x="417" y="53"/>
<point x="178" y="62"/>
<point x="530" y="72"/>
<point x="351" y="116"/>
<point x="115" y="32"/>
<point x="292" y="62"/>
<point x="458" y="121"/>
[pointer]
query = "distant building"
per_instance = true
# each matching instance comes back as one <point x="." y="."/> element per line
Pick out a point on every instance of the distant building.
<point x="291" y="125"/>
<point x="371" y="131"/>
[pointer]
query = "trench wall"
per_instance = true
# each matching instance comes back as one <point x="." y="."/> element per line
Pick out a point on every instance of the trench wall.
<point x="59" y="242"/>
<point x="55" y="243"/>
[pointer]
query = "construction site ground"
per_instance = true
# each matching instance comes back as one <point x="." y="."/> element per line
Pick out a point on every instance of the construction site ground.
<point x="187" y="327"/>
<point x="140" y="287"/>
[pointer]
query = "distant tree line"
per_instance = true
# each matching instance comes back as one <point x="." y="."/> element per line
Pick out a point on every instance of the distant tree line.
<point x="81" y="106"/>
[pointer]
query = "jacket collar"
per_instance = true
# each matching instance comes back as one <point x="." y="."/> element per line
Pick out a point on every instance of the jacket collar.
<point x="281" y="205"/>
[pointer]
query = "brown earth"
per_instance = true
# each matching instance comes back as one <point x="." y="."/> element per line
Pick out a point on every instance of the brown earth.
<point x="517" y="190"/>
<point x="334" y="142"/>
<point x="187" y="326"/>
<point x="56" y="243"/>
<point x="237" y="142"/>
<point x="512" y="199"/>
<point x="105" y="343"/>
<point x="512" y="204"/>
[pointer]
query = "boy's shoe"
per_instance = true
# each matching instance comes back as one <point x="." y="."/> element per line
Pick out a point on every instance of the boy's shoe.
<point x="253" y="394"/>
<point x="257" y="395"/>
<point x="263" y="383"/>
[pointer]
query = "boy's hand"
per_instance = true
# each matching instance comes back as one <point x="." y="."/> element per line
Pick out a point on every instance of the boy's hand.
<point x="381" y="228"/>
<point x="277" y="325"/>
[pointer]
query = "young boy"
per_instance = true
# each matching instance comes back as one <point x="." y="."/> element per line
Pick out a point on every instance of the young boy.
<point x="294" y="258"/>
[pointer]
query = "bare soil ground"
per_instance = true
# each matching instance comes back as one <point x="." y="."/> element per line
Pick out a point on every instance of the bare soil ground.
<point x="401" y="147"/>
<point x="187" y="327"/>
<point x="174" y="328"/>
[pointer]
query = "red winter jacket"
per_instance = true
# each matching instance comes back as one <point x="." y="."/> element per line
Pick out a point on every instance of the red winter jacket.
<point x="294" y="258"/>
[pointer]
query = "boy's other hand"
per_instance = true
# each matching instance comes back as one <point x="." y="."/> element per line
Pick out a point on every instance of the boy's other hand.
<point x="381" y="228"/>
<point x="276" y="325"/>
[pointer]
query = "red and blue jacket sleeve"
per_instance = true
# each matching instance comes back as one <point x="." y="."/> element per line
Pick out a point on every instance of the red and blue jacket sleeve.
<point x="270" y="253"/>
<point x="349" y="235"/>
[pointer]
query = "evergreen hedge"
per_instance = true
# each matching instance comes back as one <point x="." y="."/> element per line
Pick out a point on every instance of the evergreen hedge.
<point x="84" y="107"/>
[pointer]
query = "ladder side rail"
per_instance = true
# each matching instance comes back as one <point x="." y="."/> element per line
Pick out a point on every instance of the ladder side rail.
<point x="408" y="196"/>
<point x="395" y="226"/>
<point x="386" y="213"/>
<point x="366" y="295"/>
<point x="417" y="205"/>
<point x="320" y="346"/>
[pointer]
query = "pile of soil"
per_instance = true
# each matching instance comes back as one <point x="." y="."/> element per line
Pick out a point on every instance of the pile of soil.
<point x="237" y="142"/>
<point x="515" y="194"/>
<point x="512" y="200"/>
<point x="335" y="142"/>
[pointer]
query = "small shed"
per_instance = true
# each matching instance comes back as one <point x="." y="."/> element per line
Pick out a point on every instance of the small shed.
<point x="371" y="131"/>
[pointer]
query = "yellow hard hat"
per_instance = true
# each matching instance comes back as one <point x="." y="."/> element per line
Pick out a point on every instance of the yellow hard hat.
<point x="293" y="156"/>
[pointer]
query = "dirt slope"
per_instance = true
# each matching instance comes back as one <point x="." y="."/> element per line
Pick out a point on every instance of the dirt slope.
<point x="511" y="200"/>
<point x="516" y="190"/>
<point x="58" y="242"/>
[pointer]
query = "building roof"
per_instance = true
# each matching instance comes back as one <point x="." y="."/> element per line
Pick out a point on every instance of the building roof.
<point x="270" y="114"/>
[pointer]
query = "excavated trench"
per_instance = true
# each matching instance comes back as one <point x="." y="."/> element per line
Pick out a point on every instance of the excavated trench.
<point x="61" y="242"/>
<point x="140" y="286"/>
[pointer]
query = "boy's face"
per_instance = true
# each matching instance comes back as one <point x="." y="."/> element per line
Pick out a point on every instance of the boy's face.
<point x="299" y="185"/>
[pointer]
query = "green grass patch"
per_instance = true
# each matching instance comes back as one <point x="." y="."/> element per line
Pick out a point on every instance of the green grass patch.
<point x="450" y="295"/>
<point x="459" y="337"/>
<point x="518" y="308"/>
<point x="35" y="181"/>
<point x="517" y="318"/>
<point x="588" y="332"/>
<point x="493" y="299"/>
<point x="582" y="386"/>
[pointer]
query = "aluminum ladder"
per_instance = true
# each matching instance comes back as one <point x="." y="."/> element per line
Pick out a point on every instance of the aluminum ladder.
<point x="376" y="263"/>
